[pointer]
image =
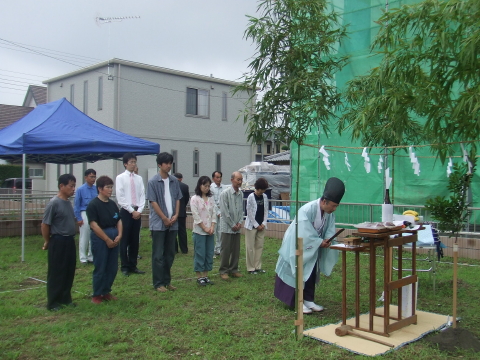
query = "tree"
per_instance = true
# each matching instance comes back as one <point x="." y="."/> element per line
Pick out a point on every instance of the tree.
<point x="294" y="69"/>
<point x="427" y="86"/>
<point x="453" y="214"/>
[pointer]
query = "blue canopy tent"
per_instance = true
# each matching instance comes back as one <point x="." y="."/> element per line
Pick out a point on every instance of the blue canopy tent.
<point x="59" y="133"/>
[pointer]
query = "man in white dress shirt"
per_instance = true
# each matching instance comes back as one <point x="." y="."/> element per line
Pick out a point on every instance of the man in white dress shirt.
<point x="217" y="187"/>
<point x="130" y="193"/>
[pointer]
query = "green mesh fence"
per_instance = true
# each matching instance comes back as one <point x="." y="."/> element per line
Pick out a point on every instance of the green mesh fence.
<point x="363" y="187"/>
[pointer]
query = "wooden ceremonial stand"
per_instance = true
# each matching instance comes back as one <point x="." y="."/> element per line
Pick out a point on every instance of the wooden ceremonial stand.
<point x="381" y="239"/>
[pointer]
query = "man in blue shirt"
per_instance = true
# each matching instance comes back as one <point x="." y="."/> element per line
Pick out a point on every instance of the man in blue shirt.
<point x="84" y="194"/>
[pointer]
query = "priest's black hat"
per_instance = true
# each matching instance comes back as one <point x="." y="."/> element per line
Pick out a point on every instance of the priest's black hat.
<point x="334" y="190"/>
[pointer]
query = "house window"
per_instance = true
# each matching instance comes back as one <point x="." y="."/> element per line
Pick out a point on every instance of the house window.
<point x="85" y="97"/>
<point x="218" y="161"/>
<point x="224" y="106"/>
<point x="35" y="173"/>
<point x="197" y="102"/>
<point x="277" y="148"/>
<point x="269" y="148"/>
<point x="100" y="93"/>
<point x="72" y="93"/>
<point x="259" y="148"/>
<point x="174" y="163"/>
<point x="196" y="167"/>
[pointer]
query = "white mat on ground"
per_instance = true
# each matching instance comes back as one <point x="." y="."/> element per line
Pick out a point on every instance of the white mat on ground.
<point x="426" y="323"/>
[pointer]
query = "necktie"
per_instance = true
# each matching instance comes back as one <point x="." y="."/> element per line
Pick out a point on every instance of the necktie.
<point x="132" y="191"/>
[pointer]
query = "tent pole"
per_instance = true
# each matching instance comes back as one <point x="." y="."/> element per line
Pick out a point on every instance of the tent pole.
<point x="24" y="163"/>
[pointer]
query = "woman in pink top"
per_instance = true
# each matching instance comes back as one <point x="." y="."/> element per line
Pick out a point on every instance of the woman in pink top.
<point x="204" y="220"/>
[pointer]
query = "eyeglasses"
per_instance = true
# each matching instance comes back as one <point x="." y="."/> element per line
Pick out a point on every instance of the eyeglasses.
<point x="132" y="162"/>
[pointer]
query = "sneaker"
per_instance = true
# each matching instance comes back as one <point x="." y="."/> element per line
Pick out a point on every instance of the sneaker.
<point x="312" y="306"/>
<point x="306" y="310"/>
<point x="260" y="271"/>
<point x="109" y="297"/>
<point x="201" y="282"/>
<point x="97" y="299"/>
<point x="208" y="281"/>
<point x="254" y="272"/>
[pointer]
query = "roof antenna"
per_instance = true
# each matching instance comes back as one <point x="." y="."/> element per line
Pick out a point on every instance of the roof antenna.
<point x="100" y="20"/>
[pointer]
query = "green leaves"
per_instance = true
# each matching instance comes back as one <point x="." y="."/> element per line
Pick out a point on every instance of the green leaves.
<point x="293" y="69"/>
<point x="427" y="86"/>
<point x="452" y="213"/>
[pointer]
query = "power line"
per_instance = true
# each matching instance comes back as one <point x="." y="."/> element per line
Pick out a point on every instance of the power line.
<point x="42" y="76"/>
<point x="33" y="52"/>
<point x="107" y="74"/>
<point x="19" y="77"/>
<point x="8" y="83"/>
<point x="19" y="81"/>
<point x="89" y="58"/>
<point x="5" y="87"/>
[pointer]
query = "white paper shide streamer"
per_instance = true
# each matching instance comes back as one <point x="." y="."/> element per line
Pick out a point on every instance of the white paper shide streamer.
<point x="347" y="163"/>
<point x="366" y="158"/>
<point x="414" y="161"/>
<point x="449" y="167"/>
<point x="325" y="157"/>
<point x="467" y="160"/>
<point x="379" y="166"/>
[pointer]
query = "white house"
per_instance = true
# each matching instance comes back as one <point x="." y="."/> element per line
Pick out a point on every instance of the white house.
<point x="191" y="116"/>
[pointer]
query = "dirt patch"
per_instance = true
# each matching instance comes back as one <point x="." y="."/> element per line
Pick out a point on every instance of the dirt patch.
<point x="452" y="339"/>
<point x="30" y="282"/>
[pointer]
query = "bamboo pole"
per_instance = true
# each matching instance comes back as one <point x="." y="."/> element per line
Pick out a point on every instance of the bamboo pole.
<point x="299" y="304"/>
<point x="298" y="261"/>
<point x="455" y="262"/>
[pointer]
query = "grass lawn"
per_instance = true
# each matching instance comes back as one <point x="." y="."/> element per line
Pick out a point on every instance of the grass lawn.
<point x="238" y="319"/>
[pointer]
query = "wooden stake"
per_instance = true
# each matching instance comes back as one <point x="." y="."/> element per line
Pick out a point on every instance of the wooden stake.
<point x="455" y="262"/>
<point x="299" y="290"/>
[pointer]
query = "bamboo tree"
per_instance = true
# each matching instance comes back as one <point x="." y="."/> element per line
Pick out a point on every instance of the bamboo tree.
<point x="428" y="79"/>
<point x="427" y="85"/>
<point x="294" y="71"/>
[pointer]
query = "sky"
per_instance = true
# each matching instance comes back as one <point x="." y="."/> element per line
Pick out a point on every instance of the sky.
<point x="40" y="40"/>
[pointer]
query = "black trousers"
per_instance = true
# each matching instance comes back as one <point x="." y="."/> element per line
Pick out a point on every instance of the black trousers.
<point x="130" y="240"/>
<point x="182" y="236"/>
<point x="62" y="257"/>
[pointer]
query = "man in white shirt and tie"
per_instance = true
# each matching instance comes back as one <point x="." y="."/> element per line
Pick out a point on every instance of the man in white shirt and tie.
<point x="130" y="193"/>
<point x="217" y="187"/>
